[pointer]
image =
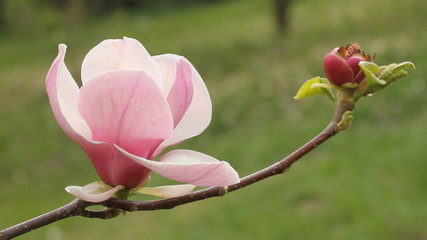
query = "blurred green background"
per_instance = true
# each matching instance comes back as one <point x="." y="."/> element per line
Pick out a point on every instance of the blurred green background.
<point x="368" y="182"/>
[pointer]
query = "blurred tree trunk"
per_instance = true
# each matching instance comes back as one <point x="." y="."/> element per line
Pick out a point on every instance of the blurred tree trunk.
<point x="76" y="10"/>
<point x="2" y="14"/>
<point x="281" y="13"/>
<point x="103" y="5"/>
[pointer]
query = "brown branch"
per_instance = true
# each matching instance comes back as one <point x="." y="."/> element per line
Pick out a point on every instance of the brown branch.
<point x="71" y="209"/>
<point x="116" y="206"/>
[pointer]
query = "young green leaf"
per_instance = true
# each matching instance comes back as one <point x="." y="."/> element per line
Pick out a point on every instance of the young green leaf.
<point x="316" y="86"/>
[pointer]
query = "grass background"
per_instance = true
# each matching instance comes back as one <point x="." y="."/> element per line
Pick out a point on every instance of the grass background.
<point x="368" y="182"/>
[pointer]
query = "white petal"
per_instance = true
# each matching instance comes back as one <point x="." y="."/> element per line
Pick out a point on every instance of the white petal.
<point x="166" y="191"/>
<point x="94" y="192"/>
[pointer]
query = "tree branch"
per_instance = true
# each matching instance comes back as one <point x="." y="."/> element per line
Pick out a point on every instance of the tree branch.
<point x="116" y="206"/>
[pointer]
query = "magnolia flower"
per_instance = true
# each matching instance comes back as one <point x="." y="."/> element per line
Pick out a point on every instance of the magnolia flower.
<point x="341" y="65"/>
<point x="130" y="107"/>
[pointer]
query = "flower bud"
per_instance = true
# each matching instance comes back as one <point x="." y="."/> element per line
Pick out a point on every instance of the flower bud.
<point x="341" y="65"/>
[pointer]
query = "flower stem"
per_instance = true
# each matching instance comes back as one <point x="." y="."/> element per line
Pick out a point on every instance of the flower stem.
<point x="122" y="194"/>
<point x="116" y="206"/>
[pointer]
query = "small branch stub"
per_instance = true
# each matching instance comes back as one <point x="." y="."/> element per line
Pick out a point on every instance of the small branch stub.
<point x="346" y="120"/>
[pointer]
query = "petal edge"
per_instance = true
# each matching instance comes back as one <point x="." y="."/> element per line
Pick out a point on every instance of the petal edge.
<point x="190" y="167"/>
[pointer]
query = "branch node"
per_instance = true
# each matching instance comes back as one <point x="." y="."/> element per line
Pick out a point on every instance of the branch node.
<point x="346" y="120"/>
<point x="223" y="190"/>
<point x="133" y="208"/>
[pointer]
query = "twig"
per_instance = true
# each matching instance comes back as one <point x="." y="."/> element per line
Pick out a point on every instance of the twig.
<point x="116" y="206"/>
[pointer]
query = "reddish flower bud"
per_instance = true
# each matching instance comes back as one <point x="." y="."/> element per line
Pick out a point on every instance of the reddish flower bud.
<point x="341" y="65"/>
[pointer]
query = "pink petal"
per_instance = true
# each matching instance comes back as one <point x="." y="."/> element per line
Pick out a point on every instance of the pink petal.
<point x="126" y="53"/>
<point x="63" y="93"/>
<point x="353" y="62"/>
<point x="166" y="191"/>
<point x="337" y="70"/>
<point x="93" y="192"/>
<point x="127" y="108"/>
<point x="199" y="113"/>
<point x="115" y="168"/>
<point x="181" y="93"/>
<point x="112" y="166"/>
<point x="191" y="167"/>
<point x="359" y="76"/>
